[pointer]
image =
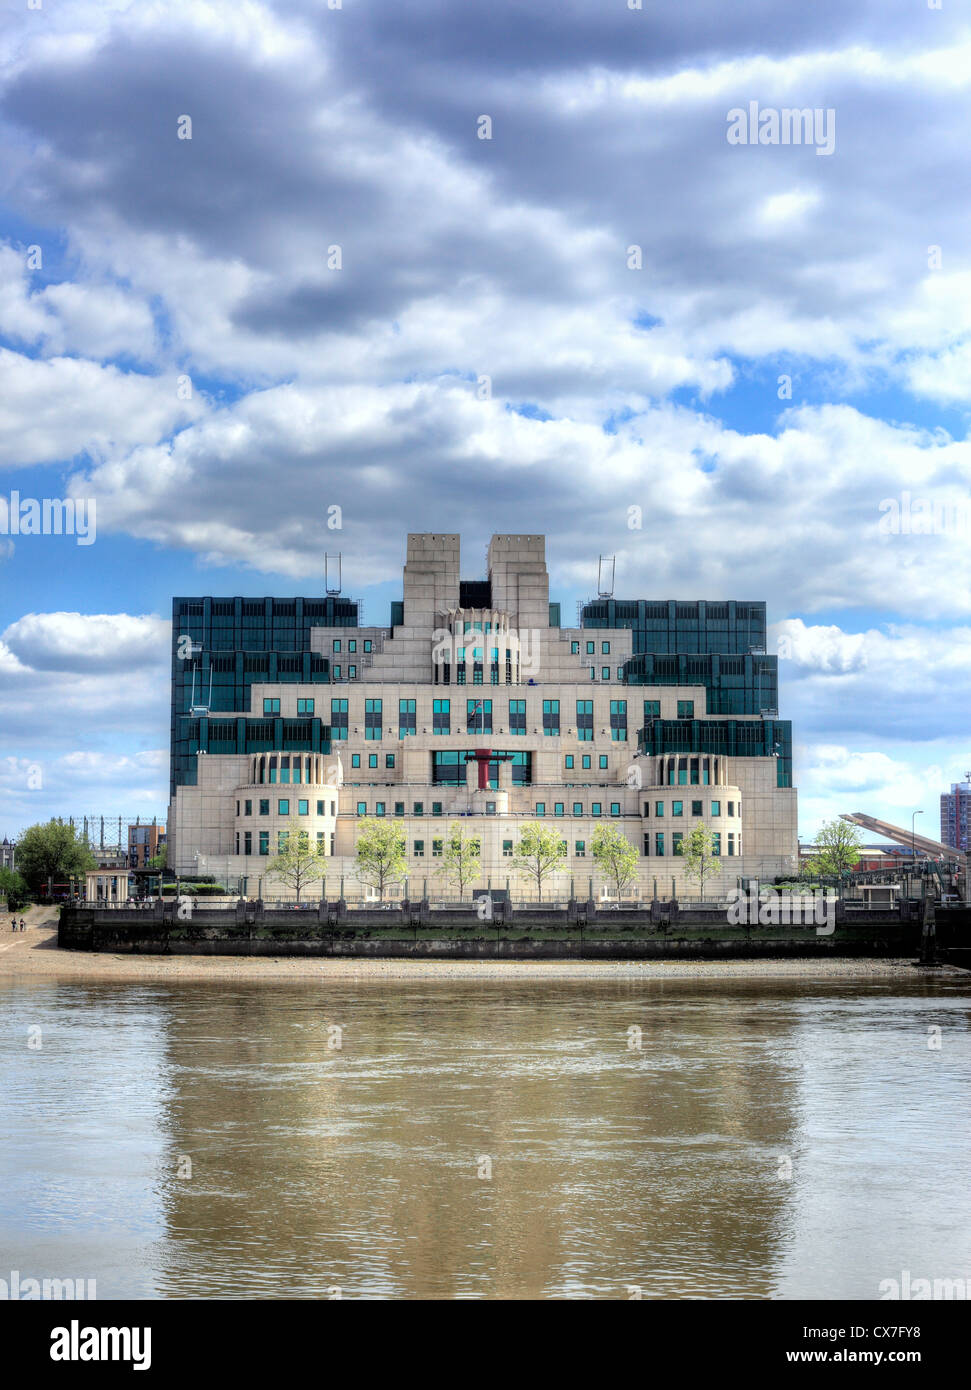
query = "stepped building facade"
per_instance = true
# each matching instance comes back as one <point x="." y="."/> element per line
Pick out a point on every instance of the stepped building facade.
<point x="474" y="706"/>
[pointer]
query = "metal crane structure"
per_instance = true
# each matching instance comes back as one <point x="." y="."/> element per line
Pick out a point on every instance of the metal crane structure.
<point x="923" y="844"/>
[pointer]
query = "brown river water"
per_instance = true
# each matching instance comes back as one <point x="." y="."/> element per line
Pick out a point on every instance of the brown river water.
<point x="683" y="1138"/>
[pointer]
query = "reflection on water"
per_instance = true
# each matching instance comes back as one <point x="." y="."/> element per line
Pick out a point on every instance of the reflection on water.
<point x="313" y="1168"/>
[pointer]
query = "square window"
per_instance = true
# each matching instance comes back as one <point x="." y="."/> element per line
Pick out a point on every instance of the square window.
<point x="271" y="706"/>
<point x="305" y="706"/>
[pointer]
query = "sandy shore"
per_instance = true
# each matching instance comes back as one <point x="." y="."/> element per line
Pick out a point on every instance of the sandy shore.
<point x="34" y="954"/>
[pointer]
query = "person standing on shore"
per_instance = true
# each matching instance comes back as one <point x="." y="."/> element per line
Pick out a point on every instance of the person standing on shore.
<point x="22" y="926"/>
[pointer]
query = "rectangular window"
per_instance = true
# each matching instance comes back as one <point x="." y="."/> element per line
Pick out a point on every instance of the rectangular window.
<point x="605" y="648"/>
<point x="372" y="760"/>
<point x="596" y="809"/>
<point x="580" y="849"/>
<point x="697" y="808"/>
<point x="389" y="760"/>
<point x="282" y="840"/>
<point x="303" y="808"/>
<point x="659" y="842"/>
<point x="337" y="673"/>
<point x="490" y="808"/>
<point x="591" y="648"/>
<point x="578" y="808"/>
<point x="362" y="808"/>
<point x="437" y="848"/>
<point x="379" y="808"/>
<point x="507" y="849"/>
<point x="407" y="719"/>
<point x="647" y="808"/>
<point x="372" y="719"/>
<point x="399" y="808"/>
<point x="338" y="719"/>
<point x="352" y="645"/>
<point x="731" y="842"/>
<point x="264" y="806"/>
<point x="321" y="842"/>
<point x="605" y="673"/>
<point x="441" y="717"/>
<point x="367" y="645"/>
<point x="337" y="644"/>
<point x="618" y="720"/>
<point x="478" y="716"/>
<point x="615" y="808"/>
<point x="419" y="808"/>
<point x="677" y="808"/>
<point x="585" y="762"/>
<point x="351" y="672"/>
<point x="568" y="761"/>
<point x="419" y="849"/>
<point x="647" y="843"/>
<point x="716" y="808"/>
<point x="686" y="709"/>
<point x="517" y="716"/>
<point x="716" y="843"/>
<point x="551" y="719"/>
<point x="677" y="839"/>
<point x="264" y="842"/>
<point x="541" y="808"/>
<point x="575" y="648"/>
<point x="355" y="760"/>
<point x="585" y="721"/>
<point x="436" y="808"/>
<point x="283" y="808"/>
<point x="271" y="706"/>
<point x="321" y="808"/>
<point x="603" y="761"/>
<point x="557" y="808"/>
<point x="731" y="808"/>
<point x="249" y="807"/>
<point x="247" y="842"/>
<point x="659" y="808"/>
<point x="305" y="706"/>
<point x="652" y="710"/>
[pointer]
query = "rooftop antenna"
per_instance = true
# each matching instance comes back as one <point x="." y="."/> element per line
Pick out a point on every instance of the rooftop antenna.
<point x="605" y="576"/>
<point x="332" y="563"/>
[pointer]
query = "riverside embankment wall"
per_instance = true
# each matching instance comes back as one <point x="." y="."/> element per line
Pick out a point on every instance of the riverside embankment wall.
<point x="578" y="931"/>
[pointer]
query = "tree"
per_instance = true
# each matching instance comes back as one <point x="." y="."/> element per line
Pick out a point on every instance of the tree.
<point x="460" y="859"/>
<point x="380" y="853"/>
<point x="837" y="848"/>
<point x="615" y="856"/>
<point x="540" y="852"/>
<point x="698" y="851"/>
<point x="158" y="861"/>
<point x="13" y="888"/>
<point x="299" y="862"/>
<point x="52" y="851"/>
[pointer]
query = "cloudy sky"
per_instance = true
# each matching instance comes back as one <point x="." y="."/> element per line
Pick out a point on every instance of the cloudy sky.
<point x="338" y="293"/>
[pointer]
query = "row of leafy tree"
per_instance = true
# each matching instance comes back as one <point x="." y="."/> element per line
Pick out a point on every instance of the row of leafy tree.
<point x="539" y="854"/>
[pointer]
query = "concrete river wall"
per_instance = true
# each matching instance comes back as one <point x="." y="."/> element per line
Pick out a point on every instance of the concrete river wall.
<point x="577" y="931"/>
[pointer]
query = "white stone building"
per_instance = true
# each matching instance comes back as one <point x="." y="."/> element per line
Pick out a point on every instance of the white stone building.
<point x="402" y="712"/>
